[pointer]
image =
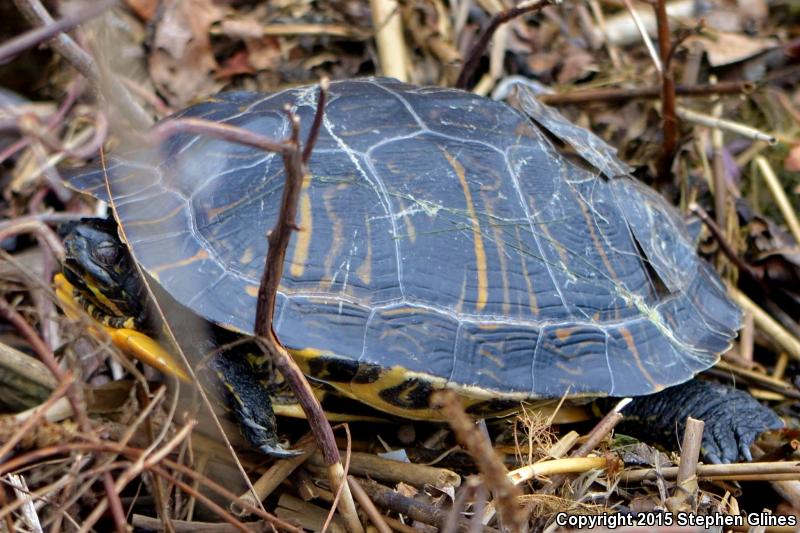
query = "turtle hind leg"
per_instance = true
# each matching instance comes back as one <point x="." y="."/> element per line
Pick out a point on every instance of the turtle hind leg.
<point x="249" y="401"/>
<point x="733" y="419"/>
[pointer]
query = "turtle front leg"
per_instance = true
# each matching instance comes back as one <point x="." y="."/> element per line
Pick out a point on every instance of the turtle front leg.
<point x="249" y="400"/>
<point x="733" y="419"/>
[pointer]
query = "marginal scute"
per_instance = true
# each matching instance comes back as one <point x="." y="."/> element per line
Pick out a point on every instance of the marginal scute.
<point x="448" y="243"/>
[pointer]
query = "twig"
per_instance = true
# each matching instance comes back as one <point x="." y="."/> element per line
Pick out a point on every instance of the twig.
<point x="277" y="473"/>
<point x="164" y="130"/>
<point x="618" y="94"/>
<point x="564" y="445"/>
<point x="29" y="517"/>
<point x="278" y="238"/>
<point x="726" y="125"/>
<point x="313" y="133"/>
<point x="477" y="49"/>
<point x="208" y="502"/>
<point x="601" y="430"/>
<point x="35" y="12"/>
<point x="495" y="475"/>
<point x="789" y="489"/>
<point x="31" y="38"/>
<point x="720" y="181"/>
<point x="344" y="485"/>
<point x="595" y="436"/>
<point x="779" y="195"/>
<point x="757" y="378"/>
<point x="43" y="454"/>
<point x="309" y="516"/>
<point x="771" y="327"/>
<point x="669" y="142"/>
<point x="372" y="512"/>
<point x="148" y="523"/>
<point x="713" y="471"/>
<point x="144" y="462"/>
<point x="387" y="498"/>
<point x="724" y="245"/>
<point x="684" y="497"/>
<point x="73" y="395"/>
<point x="600" y="20"/>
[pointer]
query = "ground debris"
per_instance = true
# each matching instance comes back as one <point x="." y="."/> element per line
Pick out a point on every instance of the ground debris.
<point x="104" y="441"/>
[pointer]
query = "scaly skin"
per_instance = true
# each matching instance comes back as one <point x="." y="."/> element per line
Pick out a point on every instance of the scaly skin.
<point x="733" y="419"/>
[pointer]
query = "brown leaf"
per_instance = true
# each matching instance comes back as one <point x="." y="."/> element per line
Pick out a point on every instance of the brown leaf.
<point x="726" y="48"/>
<point x="182" y="64"/>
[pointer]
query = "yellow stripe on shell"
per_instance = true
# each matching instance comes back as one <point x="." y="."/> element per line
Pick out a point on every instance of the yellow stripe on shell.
<point x="477" y="237"/>
<point x="303" y="242"/>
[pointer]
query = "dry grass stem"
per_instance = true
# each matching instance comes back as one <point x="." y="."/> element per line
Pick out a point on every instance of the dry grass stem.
<point x="644" y="35"/>
<point x="776" y="189"/>
<point x="570" y="465"/>
<point x="386" y="498"/>
<point x="771" y="327"/>
<point x="389" y="39"/>
<point x="684" y="496"/>
<point x="725" y="125"/>
<point x="731" y="471"/>
<point x="275" y="475"/>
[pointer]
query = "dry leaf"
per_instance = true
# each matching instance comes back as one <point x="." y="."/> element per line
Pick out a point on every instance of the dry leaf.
<point x="182" y="64"/>
<point x="727" y="48"/>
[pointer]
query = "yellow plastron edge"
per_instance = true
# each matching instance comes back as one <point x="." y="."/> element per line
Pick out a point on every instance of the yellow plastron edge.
<point x="131" y="342"/>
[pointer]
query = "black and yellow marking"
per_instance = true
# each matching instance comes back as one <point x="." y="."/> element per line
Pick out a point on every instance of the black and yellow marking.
<point x="130" y="341"/>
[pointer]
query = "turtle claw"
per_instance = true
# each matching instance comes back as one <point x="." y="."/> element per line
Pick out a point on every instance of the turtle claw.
<point x="278" y="452"/>
<point x="712" y="458"/>
<point x="733" y="419"/>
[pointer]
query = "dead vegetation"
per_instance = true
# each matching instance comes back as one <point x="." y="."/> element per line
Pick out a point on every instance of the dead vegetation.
<point x="703" y="103"/>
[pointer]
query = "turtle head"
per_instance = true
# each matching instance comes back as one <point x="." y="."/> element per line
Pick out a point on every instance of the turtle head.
<point x="100" y="267"/>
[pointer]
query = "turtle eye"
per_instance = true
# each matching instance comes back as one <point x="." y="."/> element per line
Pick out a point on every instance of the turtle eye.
<point x="107" y="253"/>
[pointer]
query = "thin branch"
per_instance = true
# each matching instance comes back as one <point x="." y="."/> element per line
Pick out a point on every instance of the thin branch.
<point x="725" y="246"/>
<point x="684" y="496"/>
<point x="477" y="50"/>
<point x="31" y="38"/>
<point x="164" y="130"/>
<point x="278" y="239"/>
<point x="615" y="94"/>
<point x="669" y="142"/>
<point x="37" y="15"/>
<point x="313" y="133"/>
<point x="495" y="474"/>
<point x="73" y="395"/>
<point x="366" y="503"/>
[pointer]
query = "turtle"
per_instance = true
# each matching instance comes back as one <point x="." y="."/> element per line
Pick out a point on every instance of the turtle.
<point x="446" y="240"/>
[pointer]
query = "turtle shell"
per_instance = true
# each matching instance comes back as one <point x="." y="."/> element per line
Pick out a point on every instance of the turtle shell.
<point x="446" y="240"/>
